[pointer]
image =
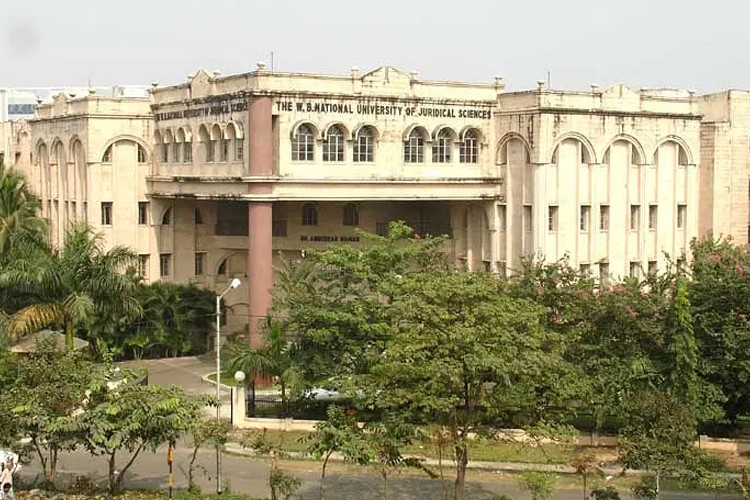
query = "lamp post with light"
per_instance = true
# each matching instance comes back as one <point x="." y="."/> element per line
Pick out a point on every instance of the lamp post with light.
<point x="232" y="285"/>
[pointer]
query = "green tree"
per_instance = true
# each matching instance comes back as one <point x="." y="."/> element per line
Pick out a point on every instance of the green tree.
<point x="43" y="402"/>
<point x="73" y="285"/>
<point x="19" y="222"/>
<point x="462" y="354"/>
<point x="209" y="432"/>
<point x="720" y="300"/>
<point x="333" y="299"/>
<point x="125" y="417"/>
<point x="277" y="358"/>
<point x="338" y="433"/>
<point x="659" y="435"/>
<point x="539" y="484"/>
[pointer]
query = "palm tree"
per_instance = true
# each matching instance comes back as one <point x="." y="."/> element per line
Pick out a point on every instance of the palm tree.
<point x="72" y="286"/>
<point x="19" y="222"/>
<point x="275" y="359"/>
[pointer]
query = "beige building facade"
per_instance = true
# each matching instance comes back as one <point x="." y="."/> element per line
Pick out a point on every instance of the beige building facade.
<point x="221" y="177"/>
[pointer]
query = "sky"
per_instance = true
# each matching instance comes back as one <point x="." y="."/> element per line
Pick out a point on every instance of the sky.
<point x="703" y="46"/>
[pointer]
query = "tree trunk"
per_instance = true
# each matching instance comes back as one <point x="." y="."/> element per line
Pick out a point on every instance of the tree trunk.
<point x="53" y="465"/>
<point x="191" y="468"/>
<point x="584" y="487"/>
<point x="113" y="479"/>
<point x="323" y="477"/>
<point x="69" y="336"/>
<point x="657" y="486"/>
<point x="462" y="459"/>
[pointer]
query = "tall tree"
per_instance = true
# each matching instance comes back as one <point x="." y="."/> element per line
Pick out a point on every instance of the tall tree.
<point x="465" y="355"/>
<point x="720" y="301"/>
<point x="72" y="285"/>
<point x="19" y="221"/>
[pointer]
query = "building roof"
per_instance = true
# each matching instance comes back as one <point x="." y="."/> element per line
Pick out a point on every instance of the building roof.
<point x="29" y="343"/>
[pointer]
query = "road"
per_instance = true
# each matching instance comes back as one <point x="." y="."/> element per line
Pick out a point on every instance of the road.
<point x="248" y="475"/>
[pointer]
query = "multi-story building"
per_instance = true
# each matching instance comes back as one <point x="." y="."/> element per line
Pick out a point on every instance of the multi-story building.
<point x="222" y="177"/>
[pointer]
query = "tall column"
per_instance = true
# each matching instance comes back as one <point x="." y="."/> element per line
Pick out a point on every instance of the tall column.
<point x="260" y="239"/>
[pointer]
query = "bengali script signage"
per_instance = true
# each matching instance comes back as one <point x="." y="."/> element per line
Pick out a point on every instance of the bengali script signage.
<point x="388" y="108"/>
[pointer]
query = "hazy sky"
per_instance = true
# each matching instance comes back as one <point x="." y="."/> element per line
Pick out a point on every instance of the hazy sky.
<point x="688" y="44"/>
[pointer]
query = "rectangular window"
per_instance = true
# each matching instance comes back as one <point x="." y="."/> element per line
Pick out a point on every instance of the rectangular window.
<point x="585" y="269"/>
<point x="165" y="264"/>
<point x="381" y="228"/>
<point x="634" y="268"/>
<point x="651" y="267"/>
<point x="164" y="153"/>
<point x="85" y="211"/>
<point x="603" y="272"/>
<point x="200" y="258"/>
<point x="239" y="149"/>
<point x="552" y="218"/>
<point x="143" y="266"/>
<point x="681" y="216"/>
<point x="106" y="213"/>
<point x="502" y="218"/>
<point x="278" y="220"/>
<point x="604" y="217"/>
<point x="528" y="223"/>
<point x="176" y="149"/>
<point x="585" y="217"/>
<point x="73" y="209"/>
<point x="187" y="152"/>
<point x="635" y="217"/>
<point x="652" y="216"/>
<point x="142" y="213"/>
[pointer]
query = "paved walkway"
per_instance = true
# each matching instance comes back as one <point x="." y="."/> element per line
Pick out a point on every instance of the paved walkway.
<point x="248" y="475"/>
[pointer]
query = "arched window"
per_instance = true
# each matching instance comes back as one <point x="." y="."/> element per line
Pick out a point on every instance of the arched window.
<point x="226" y="142"/>
<point x="166" y="219"/>
<point x="222" y="270"/>
<point x="414" y="147"/>
<point x="206" y="144"/>
<point x="216" y="142"/>
<point x="185" y="137"/>
<point x="351" y="215"/>
<point x="107" y="157"/>
<point x="303" y="144"/>
<point x="333" y="146"/>
<point x="168" y="140"/>
<point x="177" y="147"/>
<point x="469" y="151"/>
<point x="442" y="147"/>
<point x="309" y="214"/>
<point x="364" y="145"/>
<point x="141" y="154"/>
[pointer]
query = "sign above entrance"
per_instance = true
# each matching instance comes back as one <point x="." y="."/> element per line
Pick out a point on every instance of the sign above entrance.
<point x="388" y="108"/>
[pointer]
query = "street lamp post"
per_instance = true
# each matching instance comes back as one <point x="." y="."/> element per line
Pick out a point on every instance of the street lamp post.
<point x="232" y="285"/>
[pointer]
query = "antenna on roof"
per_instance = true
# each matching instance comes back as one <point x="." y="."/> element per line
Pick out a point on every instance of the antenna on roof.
<point x="549" y="79"/>
<point x="272" y="61"/>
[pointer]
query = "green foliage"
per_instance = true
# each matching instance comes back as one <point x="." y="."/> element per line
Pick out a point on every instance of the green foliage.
<point x="646" y="489"/>
<point x="175" y="320"/>
<point x="72" y="286"/>
<point x="334" y="299"/>
<point x="283" y="485"/>
<point x="539" y="484"/>
<point x="277" y="358"/>
<point x="123" y="416"/>
<point x="608" y="493"/>
<point x="44" y="401"/>
<point x="206" y="432"/>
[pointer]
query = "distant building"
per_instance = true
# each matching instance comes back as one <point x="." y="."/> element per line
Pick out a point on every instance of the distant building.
<point x="220" y="177"/>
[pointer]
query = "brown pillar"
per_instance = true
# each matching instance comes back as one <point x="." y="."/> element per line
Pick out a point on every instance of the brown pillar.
<point x="260" y="253"/>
